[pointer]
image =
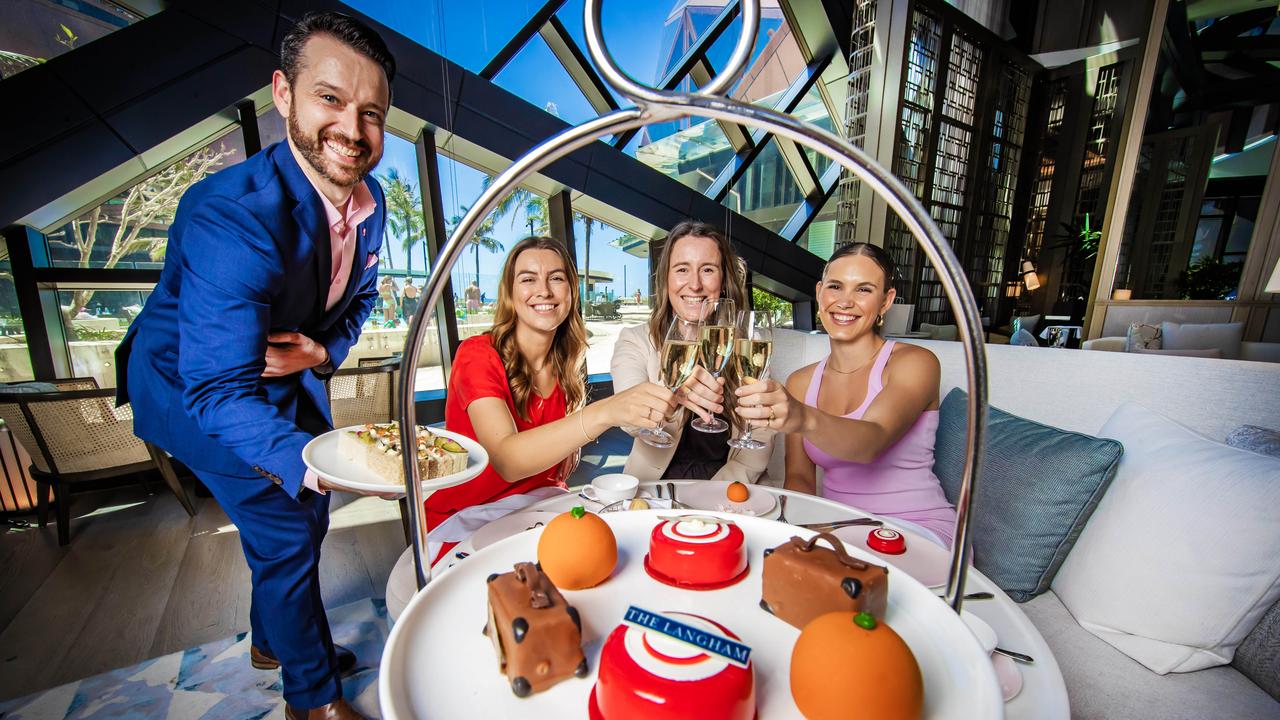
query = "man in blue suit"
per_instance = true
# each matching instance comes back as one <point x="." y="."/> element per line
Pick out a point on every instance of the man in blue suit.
<point x="270" y="274"/>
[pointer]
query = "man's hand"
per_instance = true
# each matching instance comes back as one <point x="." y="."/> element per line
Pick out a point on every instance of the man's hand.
<point x="291" y="352"/>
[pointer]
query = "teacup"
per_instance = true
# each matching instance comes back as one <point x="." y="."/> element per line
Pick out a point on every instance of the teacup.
<point x="607" y="489"/>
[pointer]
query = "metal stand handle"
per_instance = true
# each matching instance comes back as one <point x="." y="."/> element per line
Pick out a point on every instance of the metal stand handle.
<point x="655" y="106"/>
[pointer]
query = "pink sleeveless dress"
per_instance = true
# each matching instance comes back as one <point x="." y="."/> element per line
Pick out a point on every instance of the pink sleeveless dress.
<point x="900" y="483"/>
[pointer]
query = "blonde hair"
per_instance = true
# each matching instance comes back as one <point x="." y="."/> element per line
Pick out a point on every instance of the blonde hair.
<point x="733" y="285"/>
<point x="568" y="349"/>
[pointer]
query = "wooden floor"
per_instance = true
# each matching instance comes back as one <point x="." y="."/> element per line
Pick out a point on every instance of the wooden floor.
<point x="141" y="579"/>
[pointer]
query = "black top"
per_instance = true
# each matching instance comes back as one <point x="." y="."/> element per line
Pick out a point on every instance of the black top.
<point x="699" y="456"/>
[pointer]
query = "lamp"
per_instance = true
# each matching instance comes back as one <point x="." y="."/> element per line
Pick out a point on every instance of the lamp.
<point x="1029" y="277"/>
<point x="1273" y="285"/>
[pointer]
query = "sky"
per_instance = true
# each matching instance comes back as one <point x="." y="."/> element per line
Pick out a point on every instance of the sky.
<point x="470" y="33"/>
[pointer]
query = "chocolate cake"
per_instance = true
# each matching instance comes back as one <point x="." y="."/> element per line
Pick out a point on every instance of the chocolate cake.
<point x="536" y="634"/>
<point x="802" y="581"/>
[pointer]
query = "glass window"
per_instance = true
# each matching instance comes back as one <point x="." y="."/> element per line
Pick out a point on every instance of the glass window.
<point x="471" y="33"/>
<point x="95" y="322"/>
<point x="131" y="229"/>
<point x="693" y="155"/>
<point x="812" y="110"/>
<point x="476" y="276"/>
<point x="775" y="60"/>
<point x="766" y="192"/>
<point x="537" y="76"/>
<point x="763" y="300"/>
<point x="34" y="31"/>
<point x="15" y="361"/>
<point x="613" y="269"/>
<point x="402" y="271"/>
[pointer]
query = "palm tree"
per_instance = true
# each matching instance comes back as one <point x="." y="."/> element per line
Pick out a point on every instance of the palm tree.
<point x="404" y="213"/>
<point x="481" y="238"/>
<point x="588" y="223"/>
<point x="533" y="205"/>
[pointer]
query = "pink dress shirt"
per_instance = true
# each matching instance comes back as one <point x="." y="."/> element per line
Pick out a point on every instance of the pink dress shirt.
<point x="342" y="244"/>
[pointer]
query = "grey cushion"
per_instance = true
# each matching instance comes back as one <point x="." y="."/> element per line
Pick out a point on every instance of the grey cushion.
<point x="1258" y="657"/>
<point x="1105" y="684"/>
<point x="1255" y="439"/>
<point x="1199" y="336"/>
<point x="1039" y="486"/>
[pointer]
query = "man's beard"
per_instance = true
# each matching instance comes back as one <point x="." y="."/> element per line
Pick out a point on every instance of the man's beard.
<point x="312" y="149"/>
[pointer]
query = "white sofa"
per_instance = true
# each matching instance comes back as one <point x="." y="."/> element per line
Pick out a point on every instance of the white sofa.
<point x="1079" y="391"/>
<point x="1253" y="351"/>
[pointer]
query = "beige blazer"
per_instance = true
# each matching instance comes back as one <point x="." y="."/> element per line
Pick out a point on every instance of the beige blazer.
<point x="636" y="360"/>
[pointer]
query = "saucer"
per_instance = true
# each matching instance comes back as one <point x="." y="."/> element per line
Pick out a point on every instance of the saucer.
<point x="710" y="495"/>
<point x="923" y="560"/>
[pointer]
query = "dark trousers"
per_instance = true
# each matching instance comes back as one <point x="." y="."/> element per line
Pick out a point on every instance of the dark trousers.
<point x="281" y="538"/>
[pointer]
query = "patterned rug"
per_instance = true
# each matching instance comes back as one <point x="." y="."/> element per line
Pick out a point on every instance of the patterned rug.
<point x="211" y="682"/>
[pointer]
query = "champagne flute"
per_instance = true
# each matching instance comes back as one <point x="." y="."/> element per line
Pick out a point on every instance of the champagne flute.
<point x="752" y="351"/>
<point x="715" y="346"/>
<point x="679" y="358"/>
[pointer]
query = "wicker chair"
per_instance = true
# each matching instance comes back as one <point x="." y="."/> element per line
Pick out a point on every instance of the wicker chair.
<point x="364" y="395"/>
<point x="73" y="436"/>
<point x="367" y="394"/>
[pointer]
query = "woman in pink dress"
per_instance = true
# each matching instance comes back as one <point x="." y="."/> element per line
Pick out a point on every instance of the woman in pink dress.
<point x="870" y="408"/>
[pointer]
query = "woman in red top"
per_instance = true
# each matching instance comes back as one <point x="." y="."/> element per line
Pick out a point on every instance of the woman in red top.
<point x="520" y="389"/>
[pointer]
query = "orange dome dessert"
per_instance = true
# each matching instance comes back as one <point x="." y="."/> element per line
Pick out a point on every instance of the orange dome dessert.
<point x="847" y="665"/>
<point x="577" y="550"/>
<point x="737" y="492"/>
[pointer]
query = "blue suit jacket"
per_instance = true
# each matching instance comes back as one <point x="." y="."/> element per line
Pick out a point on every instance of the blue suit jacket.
<point x="249" y="254"/>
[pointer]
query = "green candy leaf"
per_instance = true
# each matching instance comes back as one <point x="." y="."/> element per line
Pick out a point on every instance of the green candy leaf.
<point x="578" y="511"/>
<point x="865" y="620"/>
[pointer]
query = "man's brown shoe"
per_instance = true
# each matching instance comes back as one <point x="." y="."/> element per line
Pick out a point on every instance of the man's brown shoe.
<point x="337" y="710"/>
<point x="262" y="661"/>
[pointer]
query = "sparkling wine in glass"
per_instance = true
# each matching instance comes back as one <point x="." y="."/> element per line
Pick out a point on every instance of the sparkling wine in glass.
<point x="753" y="351"/>
<point x="679" y="358"/>
<point x="715" y="346"/>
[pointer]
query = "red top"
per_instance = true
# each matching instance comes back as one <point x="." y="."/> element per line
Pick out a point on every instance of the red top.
<point x="478" y="373"/>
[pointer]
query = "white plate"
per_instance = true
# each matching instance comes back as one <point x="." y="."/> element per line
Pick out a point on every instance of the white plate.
<point x="710" y="495"/>
<point x="505" y="527"/>
<point x="438" y="664"/>
<point x="323" y="456"/>
<point x="924" y="560"/>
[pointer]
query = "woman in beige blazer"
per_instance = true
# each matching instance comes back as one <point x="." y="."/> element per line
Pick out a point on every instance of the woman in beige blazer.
<point x="697" y="263"/>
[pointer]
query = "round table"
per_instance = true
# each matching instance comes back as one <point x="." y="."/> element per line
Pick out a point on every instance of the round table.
<point x="1043" y="696"/>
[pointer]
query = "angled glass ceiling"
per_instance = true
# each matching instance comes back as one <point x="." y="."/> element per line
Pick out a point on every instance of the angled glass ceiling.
<point x="649" y="40"/>
<point x="33" y="31"/>
<point x="535" y="75"/>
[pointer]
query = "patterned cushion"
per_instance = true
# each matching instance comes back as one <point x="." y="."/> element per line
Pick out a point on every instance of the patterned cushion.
<point x="1258" y="657"/>
<point x="1038" y="488"/>
<point x="1142" y="337"/>
<point x="1255" y="439"/>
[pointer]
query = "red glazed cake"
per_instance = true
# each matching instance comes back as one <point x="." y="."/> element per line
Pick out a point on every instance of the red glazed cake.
<point x="696" y="553"/>
<point x="647" y="674"/>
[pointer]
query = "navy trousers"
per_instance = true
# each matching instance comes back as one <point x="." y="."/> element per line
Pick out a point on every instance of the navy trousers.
<point x="281" y="538"/>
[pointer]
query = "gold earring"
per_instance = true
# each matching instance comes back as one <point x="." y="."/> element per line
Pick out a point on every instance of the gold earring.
<point x="880" y="320"/>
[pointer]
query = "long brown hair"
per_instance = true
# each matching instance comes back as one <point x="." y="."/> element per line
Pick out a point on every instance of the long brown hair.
<point x="568" y="349"/>
<point x="733" y="285"/>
